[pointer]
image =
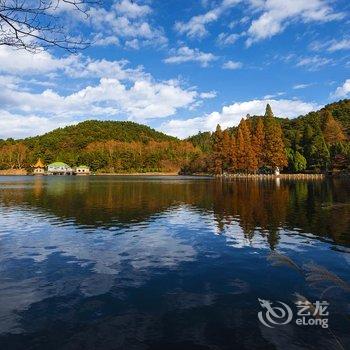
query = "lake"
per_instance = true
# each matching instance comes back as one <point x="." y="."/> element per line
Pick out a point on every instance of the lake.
<point x="172" y="263"/>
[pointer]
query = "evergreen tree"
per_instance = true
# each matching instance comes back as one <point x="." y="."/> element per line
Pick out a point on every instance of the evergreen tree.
<point x="268" y="111"/>
<point x="246" y="157"/>
<point x="319" y="152"/>
<point x="226" y="150"/>
<point x="315" y="148"/>
<point x="299" y="162"/>
<point x="233" y="155"/>
<point x="258" y="143"/>
<point x="240" y="150"/>
<point x="308" y="135"/>
<point x="274" y="149"/>
<point x="217" y="147"/>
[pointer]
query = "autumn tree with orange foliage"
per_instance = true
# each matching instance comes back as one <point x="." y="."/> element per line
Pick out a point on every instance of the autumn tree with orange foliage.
<point x="258" y="142"/>
<point x="246" y="157"/>
<point x="274" y="149"/>
<point x="232" y="155"/>
<point x="223" y="152"/>
<point x="217" y="165"/>
<point x="124" y="157"/>
<point x="13" y="156"/>
<point x="251" y="148"/>
<point x="332" y="130"/>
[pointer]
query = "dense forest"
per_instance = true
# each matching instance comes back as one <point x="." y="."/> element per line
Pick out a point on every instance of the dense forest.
<point x="105" y="146"/>
<point x="316" y="142"/>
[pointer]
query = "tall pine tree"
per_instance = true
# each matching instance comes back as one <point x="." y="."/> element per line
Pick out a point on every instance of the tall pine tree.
<point x="226" y="150"/>
<point x="217" y="151"/>
<point x="233" y="156"/>
<point x="268" y="111"/>
<point x="246" y="157"/>
<point x="274" y="149"/>
<point x="222" y="151"/>
<point x="315" y="148"/>
<point x="240" y="150"/>
<point x="332" y="130"/>
<point x="258" y="142"/>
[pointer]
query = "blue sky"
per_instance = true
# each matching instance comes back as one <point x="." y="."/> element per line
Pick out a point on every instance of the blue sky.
<point x="181" y="66"/>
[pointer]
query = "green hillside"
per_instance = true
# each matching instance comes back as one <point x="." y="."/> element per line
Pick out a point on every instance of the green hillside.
<point x="315" y="142"/>
<point x="79" y="136"/>
<point x="106" y="146"/>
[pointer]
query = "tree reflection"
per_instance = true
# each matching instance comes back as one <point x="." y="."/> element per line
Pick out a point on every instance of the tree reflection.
<point x="259" y="207"/>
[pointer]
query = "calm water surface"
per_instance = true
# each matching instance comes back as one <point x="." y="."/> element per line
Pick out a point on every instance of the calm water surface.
<point x="168" y="262"/>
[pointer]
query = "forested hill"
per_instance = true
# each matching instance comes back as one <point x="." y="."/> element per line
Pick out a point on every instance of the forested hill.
<point x="105" y="146"/>
<point x="292" y="128"/>
<point x="80" y="135"/>
<point x="316" y="142"/>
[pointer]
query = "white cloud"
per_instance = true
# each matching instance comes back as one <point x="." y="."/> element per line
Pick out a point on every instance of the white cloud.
<point x="126" y="21"/>
<point x="207" y="95"/>
<point x="121" y="92"/>
<point x="331" y="45"/>
<point x="186" y="54"/>
<point x="131" y="9"/>
<point x="277" y="94"/>
<point x="100" y="40"/>
<point x="278" y="14"/>
<point x="20" y="126"/>
<point x="311" y="63"/>
<point x="24" y="62"/>
<point x="143" y="100"/>
<point x="342" y="91"/>
<point x="89" y="68"/>
<point x="232" y="65"/>
<point x="196" y="26"/>
<point x="9" y="81"/>
<point x="133" y="44"/>
<point x="314" y="63"/>
<point x="339" y="45"/>
<point x="225" y="39"/>
<point x="232" y="114"/>
<point x="301" y="86"/>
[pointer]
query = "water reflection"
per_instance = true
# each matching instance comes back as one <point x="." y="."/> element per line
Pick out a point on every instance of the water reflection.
<point x="317" y="207"/>
<point x="141" y="263"/>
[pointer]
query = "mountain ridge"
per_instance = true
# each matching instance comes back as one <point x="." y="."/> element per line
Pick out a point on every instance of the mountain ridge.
<point x="125" y="146"/>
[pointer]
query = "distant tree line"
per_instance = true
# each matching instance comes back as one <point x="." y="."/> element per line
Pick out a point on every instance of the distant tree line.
<point x="317" y="142"/>
<point x="105" y="146"/>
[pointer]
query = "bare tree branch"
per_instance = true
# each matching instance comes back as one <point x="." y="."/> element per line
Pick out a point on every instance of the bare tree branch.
<point x="36" y="24"/>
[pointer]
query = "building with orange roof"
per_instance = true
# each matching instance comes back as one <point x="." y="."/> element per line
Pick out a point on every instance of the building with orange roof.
<point x="39" y="167"/>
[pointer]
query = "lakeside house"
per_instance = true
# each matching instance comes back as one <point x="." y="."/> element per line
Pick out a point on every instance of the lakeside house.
<point x="59" y="168"/>
<point x="82" y="170"/>
<point x="39" y="167"/>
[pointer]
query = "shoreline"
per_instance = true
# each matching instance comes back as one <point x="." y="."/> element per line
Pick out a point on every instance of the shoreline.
<point x="272" y="176"/>
<point x="23" y="172"/>
<point x="136" y="174"/>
